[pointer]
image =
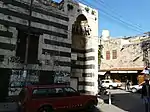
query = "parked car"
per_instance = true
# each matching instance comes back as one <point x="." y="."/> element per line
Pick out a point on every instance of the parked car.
<point x="118" y="83"/>
<point x="135" y="88"/>
<point x="49" y="98"/>
<point x="108" y="83"/>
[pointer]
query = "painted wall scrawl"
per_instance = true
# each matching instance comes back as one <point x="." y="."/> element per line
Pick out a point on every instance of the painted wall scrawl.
<point x="61" y="77"/>
<point x="19" y="79"/>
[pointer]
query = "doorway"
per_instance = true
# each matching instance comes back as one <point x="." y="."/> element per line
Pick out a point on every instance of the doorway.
<point x="74" y="83"/>
<point x="4" y="83"/>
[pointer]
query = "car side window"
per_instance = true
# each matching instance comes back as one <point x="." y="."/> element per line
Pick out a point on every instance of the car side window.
<point x="70" y="91"/>
<point x="59" y="92"/>
<point x="37" y="93"/>
<point x="47" y="92"/>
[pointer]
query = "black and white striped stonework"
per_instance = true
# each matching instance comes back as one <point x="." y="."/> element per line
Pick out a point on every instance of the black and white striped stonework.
<point x="85" y="65"/>
<point x="52" y="25"/>
<point x="6" y="46"/>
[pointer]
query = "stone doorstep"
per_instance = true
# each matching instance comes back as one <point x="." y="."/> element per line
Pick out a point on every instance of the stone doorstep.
<point x="8" y="107"/>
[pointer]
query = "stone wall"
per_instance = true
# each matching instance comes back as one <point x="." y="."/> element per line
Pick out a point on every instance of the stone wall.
<point x="146" y="52"/>
<point x="128" y="55"/>
<point x="54" y="27"/>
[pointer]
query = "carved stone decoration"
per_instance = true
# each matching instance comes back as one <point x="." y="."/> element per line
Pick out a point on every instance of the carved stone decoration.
<point x="45" y="2"/>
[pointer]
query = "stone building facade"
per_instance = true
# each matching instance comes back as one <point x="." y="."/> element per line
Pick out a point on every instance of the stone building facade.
<point x="122" y="57"/>
<point x="62" y="44"/>
<point x="146" y="52"/>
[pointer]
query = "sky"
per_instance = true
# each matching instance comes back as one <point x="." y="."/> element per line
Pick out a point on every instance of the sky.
<point x="122" y="17"/>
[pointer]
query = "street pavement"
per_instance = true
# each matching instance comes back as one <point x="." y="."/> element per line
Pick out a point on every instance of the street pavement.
<point x="123" y="102"/>
<point x="8" y="107"/>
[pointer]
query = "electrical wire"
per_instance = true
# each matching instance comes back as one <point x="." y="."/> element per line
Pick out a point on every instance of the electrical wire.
<point x="111" y="16"/>
<point x="115" y="18"/>
<point x="111" y="9"/>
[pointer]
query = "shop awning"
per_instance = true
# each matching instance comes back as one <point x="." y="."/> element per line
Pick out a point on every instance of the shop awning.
<point x="101" y="73"/>
<point x="123" y="71"/>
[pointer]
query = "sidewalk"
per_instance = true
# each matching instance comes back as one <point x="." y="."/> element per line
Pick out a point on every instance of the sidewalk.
<point x="8" y="107"/>
<point x="109" y="108"/>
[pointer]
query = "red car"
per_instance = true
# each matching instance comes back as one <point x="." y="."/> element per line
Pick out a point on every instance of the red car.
<point x="51" y="98"/>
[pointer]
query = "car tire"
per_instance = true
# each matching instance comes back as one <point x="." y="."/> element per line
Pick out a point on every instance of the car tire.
<point x="46" y="109"/>
<point x="133" y="90"/>
<point x="90" y="107"/>
<point x="110" y="87"/>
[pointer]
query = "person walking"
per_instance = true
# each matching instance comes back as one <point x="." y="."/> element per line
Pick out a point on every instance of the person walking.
<point x="146" y="95"/>
<point x="127" y="85"/>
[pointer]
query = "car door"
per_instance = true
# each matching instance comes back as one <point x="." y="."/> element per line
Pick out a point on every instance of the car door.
<point x="73" y="98"/>
<point x="59" y="100"/>
<point x="48" y="96"/>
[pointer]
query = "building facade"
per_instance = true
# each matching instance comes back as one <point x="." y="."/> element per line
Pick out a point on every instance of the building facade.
<point x="146" y="52"/>
<point x="122" y="57"/>
<point x="48" y="42"/>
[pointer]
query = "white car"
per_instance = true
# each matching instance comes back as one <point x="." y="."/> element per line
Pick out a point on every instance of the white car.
<point x="135" y="88"/>
<point x="110" y="84"/>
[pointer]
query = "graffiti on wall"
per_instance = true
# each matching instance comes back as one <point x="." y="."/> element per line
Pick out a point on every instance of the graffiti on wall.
<point x="20" y="78"/>
<point x="61" y="77"/>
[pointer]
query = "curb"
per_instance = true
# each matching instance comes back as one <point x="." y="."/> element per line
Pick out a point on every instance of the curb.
<point x="100" y="101"/>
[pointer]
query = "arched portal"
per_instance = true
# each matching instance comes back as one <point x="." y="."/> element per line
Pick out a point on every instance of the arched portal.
<point x="79" y="33"/>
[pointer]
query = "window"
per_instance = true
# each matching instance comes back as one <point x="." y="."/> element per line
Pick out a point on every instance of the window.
<point x="114" y="54"/>
<point x="107" y="55"/>
<point x="71" y="92"/>
<point x="32" y="47"/>
<point x="107" y="82"/>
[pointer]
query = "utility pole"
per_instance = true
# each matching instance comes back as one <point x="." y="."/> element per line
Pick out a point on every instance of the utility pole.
<point x="27" y="40"/>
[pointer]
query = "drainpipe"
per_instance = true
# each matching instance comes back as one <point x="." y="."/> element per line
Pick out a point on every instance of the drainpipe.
<point x="27" y="40"/>
<point x="99" y="64"/>
<point x="100" y="51"/>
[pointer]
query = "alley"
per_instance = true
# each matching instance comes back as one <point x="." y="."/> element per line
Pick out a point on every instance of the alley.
<point x="124" y="102"/>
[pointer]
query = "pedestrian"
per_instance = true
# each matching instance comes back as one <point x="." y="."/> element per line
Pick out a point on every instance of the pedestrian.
<point x="146" y="95"/>
<point x="127" y="85"/>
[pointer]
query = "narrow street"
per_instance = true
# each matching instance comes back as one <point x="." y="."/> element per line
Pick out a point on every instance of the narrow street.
<point x="124" y="102"/>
